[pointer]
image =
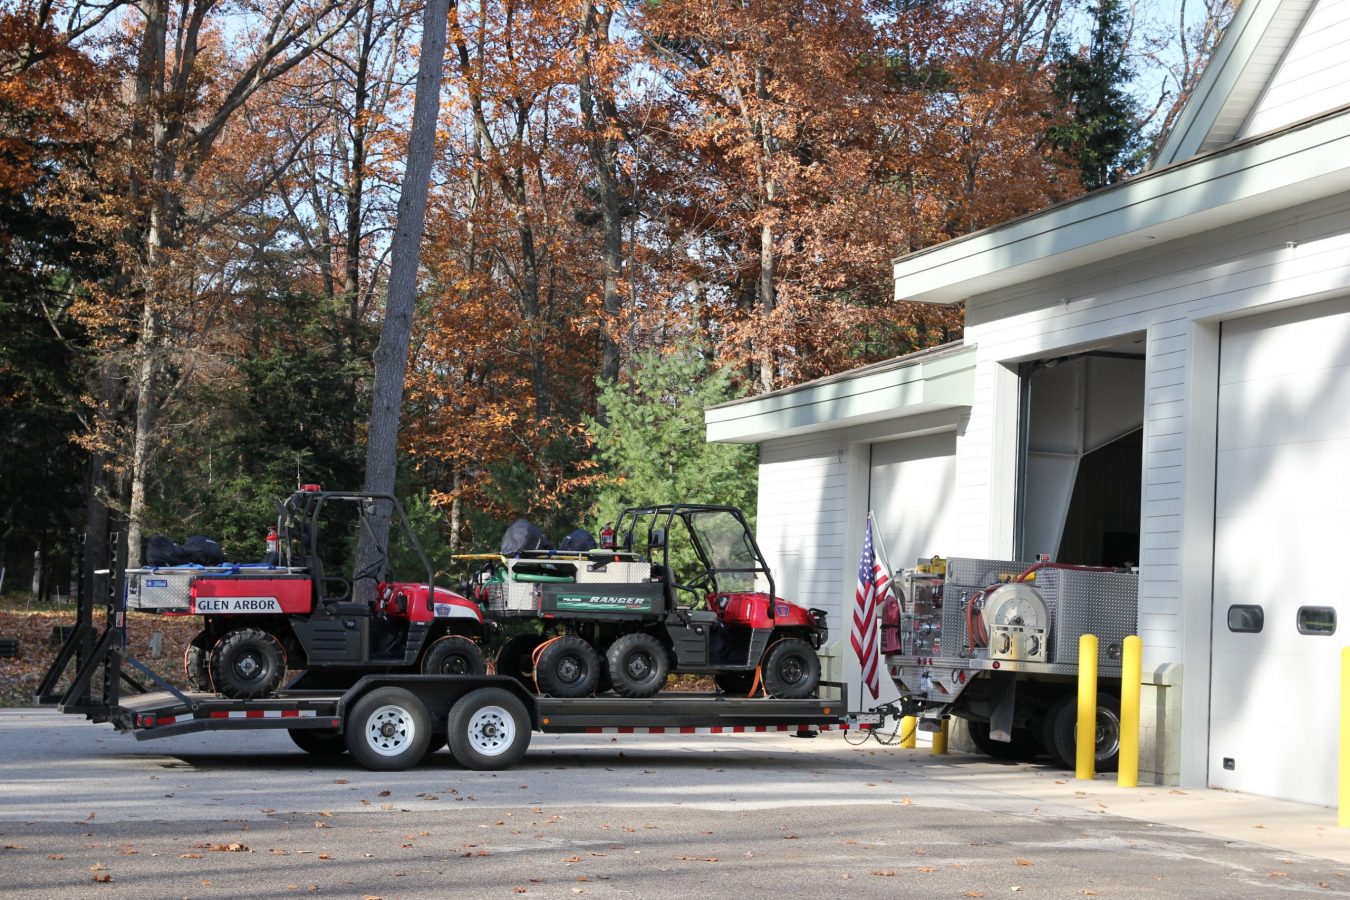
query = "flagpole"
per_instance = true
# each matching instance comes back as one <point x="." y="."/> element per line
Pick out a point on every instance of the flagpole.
<point x="883" y="556"/>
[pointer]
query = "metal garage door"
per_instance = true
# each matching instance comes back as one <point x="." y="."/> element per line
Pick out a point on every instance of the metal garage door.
<point x="1282" y="537"/>
<point x="911" y="494"/>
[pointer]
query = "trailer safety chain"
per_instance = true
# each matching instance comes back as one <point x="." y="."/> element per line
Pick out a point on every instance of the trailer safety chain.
<point x="886" y="740"/>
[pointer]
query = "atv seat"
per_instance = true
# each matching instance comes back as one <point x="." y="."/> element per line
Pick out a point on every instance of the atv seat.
<point x="346" y="608"/>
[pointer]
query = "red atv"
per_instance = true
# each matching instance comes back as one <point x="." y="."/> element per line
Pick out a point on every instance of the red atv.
<point x="301" y="612"/>
<point x="685" y="590"/>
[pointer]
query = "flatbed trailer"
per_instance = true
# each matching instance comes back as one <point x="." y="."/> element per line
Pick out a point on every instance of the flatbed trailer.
<point x="390" y="721"/>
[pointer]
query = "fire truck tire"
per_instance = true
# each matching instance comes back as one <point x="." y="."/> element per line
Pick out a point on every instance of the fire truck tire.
<point x="1107" y="732"/>
<point x="247" y="663"/>
<point x="567" y="667"/>
<point x="195" y="669"/>
<point x="489" y="729"/>
<point x="791" y="670"/>
<point x="454" y="655"/>
<point x="1047" y="729"/>
<point x="388" y="730"/>
<point x="638" y="665"/>
<point x="319" y="741"/>
<point x="513" y="659"/>
<point x="737" y="684"/>
<point x="1023" y="746"/>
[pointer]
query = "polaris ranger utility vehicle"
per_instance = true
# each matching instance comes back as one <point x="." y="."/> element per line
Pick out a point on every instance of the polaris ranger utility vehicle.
<point x="302" y="609"/>
<point x="686" y="589"/>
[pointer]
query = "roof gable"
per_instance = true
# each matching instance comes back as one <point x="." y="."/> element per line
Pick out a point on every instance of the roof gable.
<point x="1245" y="63"/>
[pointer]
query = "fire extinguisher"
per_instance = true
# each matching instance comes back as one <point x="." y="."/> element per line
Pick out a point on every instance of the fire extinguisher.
<point x="607" y="537"/>
<point x="273" y="546"/>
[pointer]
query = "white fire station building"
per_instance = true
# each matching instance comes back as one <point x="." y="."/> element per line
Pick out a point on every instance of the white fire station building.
<point x="1155" y="373"/>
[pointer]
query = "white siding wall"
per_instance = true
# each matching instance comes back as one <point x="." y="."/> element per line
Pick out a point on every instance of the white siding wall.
<point x="801" y="525"/>
<point x="1169" y="294"/>
<point x="1313" y="77"/>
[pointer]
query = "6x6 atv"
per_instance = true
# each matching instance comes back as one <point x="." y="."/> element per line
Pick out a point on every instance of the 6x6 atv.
<point x="687" y="590"/>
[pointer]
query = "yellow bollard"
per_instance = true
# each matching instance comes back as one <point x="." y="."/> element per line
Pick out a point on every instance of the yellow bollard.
<point x="1131" y="672"/>
<point x="940" y="740"/>
<point x="1343" y="755"/>
<point x="1087" y="708"/>
<point x="909" y="732"/>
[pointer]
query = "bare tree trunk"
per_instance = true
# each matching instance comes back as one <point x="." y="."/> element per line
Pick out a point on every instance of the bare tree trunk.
<point x="769" y="190"/>
<point x="600" y="117"/>
<point x="391" y="355"/>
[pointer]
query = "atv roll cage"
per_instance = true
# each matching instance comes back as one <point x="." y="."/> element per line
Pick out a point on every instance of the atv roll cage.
<point x="298" y="519"/>
<point x="719" y="535"/>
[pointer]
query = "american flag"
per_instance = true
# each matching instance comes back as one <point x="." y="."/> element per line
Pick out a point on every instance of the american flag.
<point x="872" y="582"/>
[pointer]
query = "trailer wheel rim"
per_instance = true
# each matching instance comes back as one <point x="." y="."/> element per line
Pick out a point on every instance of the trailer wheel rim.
<point x="390" y="730"/>
<point x="492" y="731"/>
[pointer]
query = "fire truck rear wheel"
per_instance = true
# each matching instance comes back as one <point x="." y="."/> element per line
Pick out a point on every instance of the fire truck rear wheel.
<point x="454" y="655"/>
<point x="792" y="670"/>
<point x="1107" y="733"/>
<point x="489" y="728"/>
<point x="638" y="665"/>
<point x="1023" y="746"/>
<point x="1047" y="729"/>
<point x="319" y="741"/>
<point x="567" y="667"/>
<point x="195" y="669"/>
<point x="388" y="730"/>
<point x="247" y="663"/>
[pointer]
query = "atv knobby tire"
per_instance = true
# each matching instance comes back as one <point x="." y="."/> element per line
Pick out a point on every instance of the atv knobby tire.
<point x="791" y="670"/>
<point x="195" y="663"/>
<point x="247" y="663"/>
<point x="638" y="665"/>
<point x="567" y="667"/>
<point x="454" y="655"/>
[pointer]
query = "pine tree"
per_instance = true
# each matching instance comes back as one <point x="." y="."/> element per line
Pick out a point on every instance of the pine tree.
<point x="1104" y="133"/>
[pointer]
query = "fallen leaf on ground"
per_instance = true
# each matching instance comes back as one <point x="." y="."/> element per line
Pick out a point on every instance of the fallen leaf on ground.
<point x="56" y="856"/>
<point x="189" y="856"/>
<point x="103" y="877"/>
<point x="1024" y="862"/>
<point x="975" y="893"/>
<point x="926" y="869"/>
<point x="905" y="801"/>
<point x="884" y="873"/>
<point x="1277" y="874"/>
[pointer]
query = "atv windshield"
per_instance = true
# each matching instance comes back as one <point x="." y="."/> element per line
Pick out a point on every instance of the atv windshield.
<point x="727" y="547"/>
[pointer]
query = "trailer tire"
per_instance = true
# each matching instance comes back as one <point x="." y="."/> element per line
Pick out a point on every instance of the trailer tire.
<point x="791" y="670"/>
<point x="489" y="728"/>
<point x="1023" y="746"/>
<point x="638" y="665"/>
<point x="388" y="730"/>
<point x="454" y="655"/>
<point x="196" y="658"/>
<point x="1107" y="752"/>
<point x="319" y="741"/>
<point x="567" y="667"/>
<point x="247" y="663"/>
<point x="513" y="659"/>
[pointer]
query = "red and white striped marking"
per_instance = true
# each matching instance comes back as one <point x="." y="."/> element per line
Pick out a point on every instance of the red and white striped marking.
<point x="162" y="721"/>
<point x="715" y="729"/>
<point x="263" y="714"/>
